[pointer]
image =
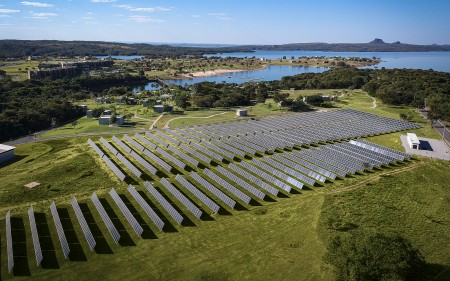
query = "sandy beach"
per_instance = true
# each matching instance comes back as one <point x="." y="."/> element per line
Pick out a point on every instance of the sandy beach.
<point x="212" y="72"/>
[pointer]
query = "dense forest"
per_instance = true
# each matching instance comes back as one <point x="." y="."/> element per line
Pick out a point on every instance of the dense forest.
<point x="22" y="48"/>
<point x="50" y="48"/>
<point x="30" y="106"/>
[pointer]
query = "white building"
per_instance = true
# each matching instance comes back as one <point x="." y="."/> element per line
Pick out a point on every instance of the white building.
<point x="120" y="120"/>
<point x="104" y="120"/>
<point x="241" y="112"/>
<point x="413" y="141"/>
<point x="6" y="152"/>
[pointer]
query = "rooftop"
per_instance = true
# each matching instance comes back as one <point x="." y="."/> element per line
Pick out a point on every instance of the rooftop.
<point x="5" y="148"/>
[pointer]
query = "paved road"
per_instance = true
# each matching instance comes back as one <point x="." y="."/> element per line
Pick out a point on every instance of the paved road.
<point x="442" y="130"/>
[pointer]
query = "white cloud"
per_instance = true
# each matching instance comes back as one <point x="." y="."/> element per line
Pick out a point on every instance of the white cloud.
<point x="87" y="18"/>
<point x="143" y="19"/>
<point x="5" y="16"/>
<point x="36" y="4"/>
<point x="140" y="9"/>
<point x="103" y="1"/>
<point x="195" y="16"/>
<point x="5" y="24"/>
<point x="8" y="11"/>
<point x="220" y="16"/>
<point x="44" y="14"/>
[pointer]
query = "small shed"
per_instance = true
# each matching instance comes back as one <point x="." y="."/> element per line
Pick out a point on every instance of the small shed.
<point x="107" y="112"/>
<point x="158" y="108"/>
<point x="120" y="120"/>
<point x="145" y="103"/>
<point x="104" y="120"/>
<point x="89" y="113"/>
<point x="83" y="106"/>
<point x="119" y="100"/>
<point x="6" y="152"/>
<point x="413" y="141"/>
<point x="241" y="112"/>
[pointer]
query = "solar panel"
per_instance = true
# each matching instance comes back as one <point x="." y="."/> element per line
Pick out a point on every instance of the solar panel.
<point x="166" y="205"/>
<point x="35" y="237"/>
<point x="183" y="199"/>
<point x="146" y="141"/>
<point x="278" y="173"/>
<point x="253" y="179"/>
<point x="214" y="190"/>
<point x="207" y="152"/>
<point x="130" y="166"/>
<point x="241" y="182"/>
<point x="156" y="139"/>
<point x="125" y="147"/>
<point x="60" y="230"/>
<point x="228" y="186"/>
<point x="167" y="138"/>
<point x="109" y="146"/>
<point x="137" y="145"/>
<point x="183" y="155"/>
<point x="144" y="163"/>
<point x="158" y="160"/>
<point x="172" y="159"/>
<point x="299" y="168"/>
<point x="114" y="168"/>
<point x="307" y="164"/>
<point x="265" y="176"/>
<point x="9" y="242"/>
<point x="109" y="224"/>
<point x="95" y="147"/>
<point x="84" y="225"/>
<point x="288" y="170"/>
<point x="128" y="215"/>
<point x="197" y="193"/>
<point x="196" y="154"/>
<point x="147" y="209"/>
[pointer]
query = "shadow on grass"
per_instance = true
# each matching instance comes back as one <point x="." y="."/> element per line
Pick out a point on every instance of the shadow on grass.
<point x="125" y="238"/>
<point x="253" y="202"/>
<point x="168" y="226"/>
<point x="147" y="233"/>
<point x="268" y="198"/>
<point x="14" y="160"/>
<point x="282" y="195"/>
<point x="19" y="239"/>
<point x="50" y="261"/>
<point x="295" y="191"/>
<point x="101" y="246"/>
<point x="161" y="174"/>
<point x="76" y="250"/>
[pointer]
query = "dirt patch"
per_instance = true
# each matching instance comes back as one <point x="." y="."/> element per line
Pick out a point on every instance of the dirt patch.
<point x="32" y="185"/>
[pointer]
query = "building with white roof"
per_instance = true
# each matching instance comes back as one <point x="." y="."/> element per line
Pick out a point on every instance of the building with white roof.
<point x="6" y="152"/>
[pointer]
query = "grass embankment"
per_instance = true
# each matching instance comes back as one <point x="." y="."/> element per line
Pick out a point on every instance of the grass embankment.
<point x="283" y="240"/>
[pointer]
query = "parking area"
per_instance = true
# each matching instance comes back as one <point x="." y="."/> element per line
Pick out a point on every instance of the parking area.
<point x="429" y="148"/>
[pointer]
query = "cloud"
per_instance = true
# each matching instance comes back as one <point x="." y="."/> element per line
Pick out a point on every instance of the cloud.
<point x="220" y="16"/>
<point x="195" y="16"/>
<point x="143" y="19"/>
<point x="87" y="18"/>
<point x="5" y="24"/>
<point x="5" y="16"/>
<point x="103" y="1"/>
<point x="44" y="14"/>
<point x="36" y="4"/>
<point x="140" y="9"/>
<point x="8" y="11"/>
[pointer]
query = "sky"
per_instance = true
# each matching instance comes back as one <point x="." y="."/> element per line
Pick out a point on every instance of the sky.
<point x="228" y="22"/>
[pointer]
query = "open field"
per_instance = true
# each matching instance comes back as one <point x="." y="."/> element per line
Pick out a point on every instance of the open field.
<point x="280" y="239"/>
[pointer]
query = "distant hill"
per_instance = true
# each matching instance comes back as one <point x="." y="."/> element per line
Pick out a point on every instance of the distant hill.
<point x="23" y="48"/>
<point x="376" y="45"/>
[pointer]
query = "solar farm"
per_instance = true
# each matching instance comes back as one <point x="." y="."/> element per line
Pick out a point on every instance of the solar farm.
<point x="176" y="178"/>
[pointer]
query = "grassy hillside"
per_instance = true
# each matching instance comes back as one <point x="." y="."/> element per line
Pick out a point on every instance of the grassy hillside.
<point x="280" y="239"/>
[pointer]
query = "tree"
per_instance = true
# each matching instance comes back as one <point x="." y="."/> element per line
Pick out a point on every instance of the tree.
<point x="315" y="100"/>
<point x="279" y="97"/>
<point x="375" y="256"/>
<point x="74" y="123"/>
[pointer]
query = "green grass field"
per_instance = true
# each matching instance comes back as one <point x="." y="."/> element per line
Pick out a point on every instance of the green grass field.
<point x="269" y="240"/>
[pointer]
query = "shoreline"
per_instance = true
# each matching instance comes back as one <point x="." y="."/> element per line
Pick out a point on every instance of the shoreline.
<point x="216" y="72"/>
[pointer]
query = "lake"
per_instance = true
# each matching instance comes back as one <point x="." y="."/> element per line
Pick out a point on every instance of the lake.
<point x="270" y="73"/>
<point x="438" y="61"/>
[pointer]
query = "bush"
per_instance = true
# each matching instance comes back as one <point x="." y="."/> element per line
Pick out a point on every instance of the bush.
<point x="376" y="256"/>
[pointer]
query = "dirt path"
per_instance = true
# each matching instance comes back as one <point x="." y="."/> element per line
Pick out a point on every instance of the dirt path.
<point x="166" y="126"/>
<point x="374" y="101"/>
<point x="156" y="121"/>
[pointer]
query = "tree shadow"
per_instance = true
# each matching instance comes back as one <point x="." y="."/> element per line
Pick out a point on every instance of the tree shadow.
<point x="49" y="261"/>
<point x="168" y="226"/>
<point x="76" y="250"/>
<point x="19" y="241"/>
<point x="101" y="246"/>
<point x="147" y="231"/>
<point x="125" y="238"/>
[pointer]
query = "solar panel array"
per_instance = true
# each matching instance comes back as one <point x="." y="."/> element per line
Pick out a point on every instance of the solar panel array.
<point x="184" y="156"/>
<point x="109" y="146"/>
<point x="309" y="165"/>
<point x="172" y="159"/>
<point x="180" y="197"/>
<point x="164" y="203"/>
<point x="83" y="224"/>
<point x="278" y="173"/>
<point x="129" y="166"/>
<point x="144" y="163"/>
<point x="228" y="186"/>
<point x="158" y="160"/>
<point x="197" y="193"/>
<point x="125" y="147"/>
<point x="126" y="212"/>
<point x="114" y="168"/>
<point x="156" y="139"/>
<point x="167" y="138"/>
<point x="9" y="242"/>
<point x="250" y="188"/>
<point x="256" y="181"/>
<point x="299" y="168"/>
<point x="266" y="176"/>
<point x="381" y="149"/>
<point x="60" y="230"/>
<point x="289" y="170"/>
<point x="146" y="141"/>
<point x="106" y="219"/>
<point x="35" y="237"/>
<point x="196" y="154"/>
<point x="214" y="190"/>
<point x="95" y="147"/>
<point x="137" y="145"/>
<point x="147" y="209"/>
